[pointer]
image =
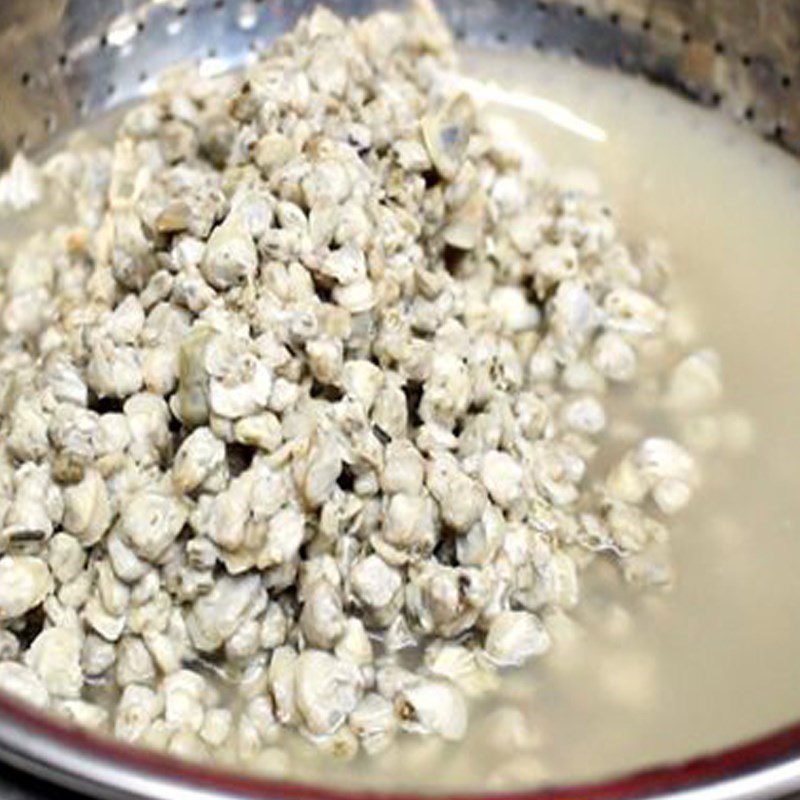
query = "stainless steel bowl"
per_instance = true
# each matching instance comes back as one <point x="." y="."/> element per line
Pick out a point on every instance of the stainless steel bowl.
<point x="63" y="62"/>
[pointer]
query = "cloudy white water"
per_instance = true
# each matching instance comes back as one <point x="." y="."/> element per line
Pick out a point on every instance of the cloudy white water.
<point x="658" y="678"/>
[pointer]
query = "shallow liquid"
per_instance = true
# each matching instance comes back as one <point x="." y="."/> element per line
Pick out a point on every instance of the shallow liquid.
<point x="656" y="677"/>
<point x="660" y="678"/>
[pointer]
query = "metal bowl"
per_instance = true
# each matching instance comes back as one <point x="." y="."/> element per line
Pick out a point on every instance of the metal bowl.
<point x="64" y="62"/>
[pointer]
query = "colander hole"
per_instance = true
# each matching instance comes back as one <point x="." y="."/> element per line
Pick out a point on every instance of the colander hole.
<point x="25" y="79"/>
<point x="247" y="15"/>
<point x="786" y="81"/>
<point x="579" y="53"/>
<point x="746" y="60"/>
<point x="647" y="24"/>
<point x="183" y="10"/>
<point x="103" y="42"/>
<point x="22" y="141"/>
<point x="143" y="77"/>
<point x="719" y="48"/>
<point x="219" y="5"/>
<point x="542" y="7"/>
<point x="750" y="113"/>
<point x="686" y="38"/>
<point x="501" y="37"/>
<point x="460" y="33"/>
<point x="778" y="132"/>
<point x="614" y="19"/>
<point x="580" y="11"/>
<point x="63" y="60"/>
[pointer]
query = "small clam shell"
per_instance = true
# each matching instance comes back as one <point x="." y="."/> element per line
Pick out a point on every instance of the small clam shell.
<point x="695" y="383"/>
<point x="216" y="615"/>
<point x="514" y="637"/>
<point x="357" y="297"/>
<point x="322" y="620"/>
<point x="341" y="745"/>
<point x="24" y="583"/>
<point x="217" y="726"/>
<point x="375" y="583"/>
<point x="462" y="667"/>
<point x="87" y="509"/>
<point x="200" y="457"/>
<point x="21" y="682"/>
<point x="391" y="679"/>
<point x="671" y="495"/>
<point x="55" y="656"/>
<point x="324" y="467"/>
<point x="243" y="391"/>
<point x="354" y="644"/>
<point x="432" y="707"/>
<point x="446" y="134"/>
<point x="346" y="265"/>
<point x="326" y="690"/>
<point x="83" y="714"/>
<point x="502" y="476"/>
<point x="374" y="722"/>
<point x="659" y="459"/>
<point x="285" y="533"/>
<point x="174" y="217"/>
<point x="230" y="257"/>
<point x="281" y="679"/>
<point x="631" y="311"/>
<point x="465" y="228"/>
<point x="192" y="377"/>
<point x="150" y="523"/>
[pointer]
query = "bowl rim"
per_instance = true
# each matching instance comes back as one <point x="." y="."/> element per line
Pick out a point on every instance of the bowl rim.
<point x="765" y="766"/>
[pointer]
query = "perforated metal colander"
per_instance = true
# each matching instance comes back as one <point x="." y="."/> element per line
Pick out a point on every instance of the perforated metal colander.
<point x="63" y="62"/>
